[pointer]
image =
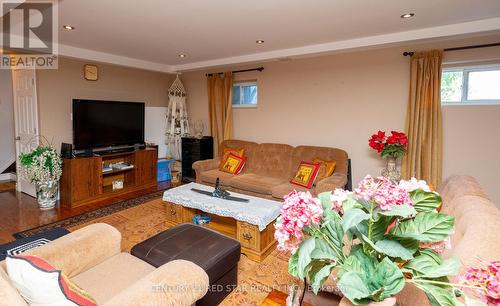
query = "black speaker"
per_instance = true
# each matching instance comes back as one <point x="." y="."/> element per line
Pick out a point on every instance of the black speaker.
<point x="66" y="150"/>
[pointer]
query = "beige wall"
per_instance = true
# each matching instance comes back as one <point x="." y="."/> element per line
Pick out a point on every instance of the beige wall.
<point x="340" y="100"/>
<point x="58" y="88"/>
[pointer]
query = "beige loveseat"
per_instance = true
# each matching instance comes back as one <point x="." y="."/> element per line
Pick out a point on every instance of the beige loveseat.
<point x="477" y="229"/>
<point x="270" y="167"/>
<point x="91" y="258"/>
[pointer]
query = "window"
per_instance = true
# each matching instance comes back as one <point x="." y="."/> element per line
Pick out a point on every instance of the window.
<point x="479" y="85"/>
<point x="245" y="94"/>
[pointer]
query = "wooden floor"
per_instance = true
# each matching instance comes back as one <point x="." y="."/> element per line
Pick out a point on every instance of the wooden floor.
<point x="19" y="212"/>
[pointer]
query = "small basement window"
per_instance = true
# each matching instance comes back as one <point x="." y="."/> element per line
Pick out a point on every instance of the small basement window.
<point x="471" y="86"/>
<point x="244" y="94"/>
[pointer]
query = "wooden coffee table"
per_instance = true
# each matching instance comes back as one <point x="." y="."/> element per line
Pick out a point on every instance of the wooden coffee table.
<point x="251" y="223"/>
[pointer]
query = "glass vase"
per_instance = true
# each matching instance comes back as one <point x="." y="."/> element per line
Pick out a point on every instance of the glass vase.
<point x="391" y="170"/>
<point x="46" y="194"/>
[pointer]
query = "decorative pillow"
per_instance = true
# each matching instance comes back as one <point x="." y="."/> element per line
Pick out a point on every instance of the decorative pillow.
<point x="40" y="284"/>
<point x="226" y="150"/>
<point x="233" y="164"/>
<point x="326" y="169"/>
<point x="306" y="174"/>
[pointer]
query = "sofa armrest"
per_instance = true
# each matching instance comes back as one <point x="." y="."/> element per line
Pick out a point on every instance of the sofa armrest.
<point x="175" y="283"/>
<point x="205" y="165"/>
<point x="336" y="180"/>
<point x="82" y="249"/>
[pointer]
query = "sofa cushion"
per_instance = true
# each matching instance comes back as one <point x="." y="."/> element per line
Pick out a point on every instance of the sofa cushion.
<point x="8" y="293"/>
<point x="280" y="191"/>
<point x="233" y="164"/>
<point x="256" y="183"/>
<point x="306" y="174"/>
<point x="112" y="276"/>
<point x="309" y="153"/>
<point x="210" y="176"/>
<point x="271" y="159"/>
<point x="41" y="284"/>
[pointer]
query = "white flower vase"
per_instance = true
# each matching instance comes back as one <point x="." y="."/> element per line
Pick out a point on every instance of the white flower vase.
<point x="46" y="194"/>
<point x="391" y="170"/>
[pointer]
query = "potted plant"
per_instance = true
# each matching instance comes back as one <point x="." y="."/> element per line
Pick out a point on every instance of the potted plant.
<point x="43" y="167"/>
<point x="391" y="148"/>
<point x="374" y="240"/>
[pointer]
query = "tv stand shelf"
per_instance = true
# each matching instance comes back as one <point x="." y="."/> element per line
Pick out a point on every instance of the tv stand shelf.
<point x="83" y="182"/>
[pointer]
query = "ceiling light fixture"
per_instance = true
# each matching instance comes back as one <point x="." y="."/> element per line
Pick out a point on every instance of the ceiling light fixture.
<point x="407" y="15"/>
<point x="260" y="41"/>
<point x="68" y="27"/>
<point x="182" y="55"/>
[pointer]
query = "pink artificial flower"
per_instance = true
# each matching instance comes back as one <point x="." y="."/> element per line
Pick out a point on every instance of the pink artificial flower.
<point x="300" y="210"/>
<point x="383" y="192"/>
<point x="338" y="196"/>
<point x="486" y="279"/>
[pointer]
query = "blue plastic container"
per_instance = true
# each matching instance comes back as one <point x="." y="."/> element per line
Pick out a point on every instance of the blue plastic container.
<point x="164" y="170"/>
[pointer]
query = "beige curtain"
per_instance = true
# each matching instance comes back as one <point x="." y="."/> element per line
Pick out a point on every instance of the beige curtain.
<point x="220" y="93"/>
<point x="423" y="119"/>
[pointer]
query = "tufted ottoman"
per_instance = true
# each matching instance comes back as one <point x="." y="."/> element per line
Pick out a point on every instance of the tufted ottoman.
<point x="218" y="255"/>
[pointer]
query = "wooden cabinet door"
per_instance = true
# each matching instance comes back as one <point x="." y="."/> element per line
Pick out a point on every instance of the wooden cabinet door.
<point x="85" y="178"/>
<point x="145" y="166"/>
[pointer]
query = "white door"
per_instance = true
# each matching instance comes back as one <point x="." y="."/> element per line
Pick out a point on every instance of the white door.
<point x="26" y="119"/>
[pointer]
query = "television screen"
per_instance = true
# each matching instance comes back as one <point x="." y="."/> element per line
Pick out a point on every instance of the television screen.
<point x="107" y="123"/>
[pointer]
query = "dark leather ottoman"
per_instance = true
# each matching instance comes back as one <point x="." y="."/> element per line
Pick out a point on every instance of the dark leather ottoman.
<point x="217" y="254"/>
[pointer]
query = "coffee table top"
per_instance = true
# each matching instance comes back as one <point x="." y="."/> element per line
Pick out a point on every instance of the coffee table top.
<point x="256" y="211"/>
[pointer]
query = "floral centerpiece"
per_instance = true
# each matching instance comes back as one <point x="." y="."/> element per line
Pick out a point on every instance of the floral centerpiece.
<point x="390" y="147"/>
<point x="374" y="239"/>
<point x="43" y="167"/>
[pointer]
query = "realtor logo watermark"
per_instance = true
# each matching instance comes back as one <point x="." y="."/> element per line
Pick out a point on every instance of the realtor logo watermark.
<point x="29" y="35"/>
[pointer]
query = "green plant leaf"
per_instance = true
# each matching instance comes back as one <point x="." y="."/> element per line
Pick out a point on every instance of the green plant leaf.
<point x="424" y="263"/>
<point x="399" y="211"/>
<point x="389" y="277"/>
<point x="323" y="250"/>
<point x="292" y="264"/>
<point x="304" y="256"/>
<point x="320" y="277"/>
<point x="437" y="296"/>
<point x="324" y="197"/>
<point x="446" y="268"/>
<point x="379" y="227"/>
<point x="332" y="227"/>
<point x="425" y="201"/>
<point x="393" y="248"/>
<point x="351" y="203"/>
<point x="353" y="217"/>
<point x="352" y="286"/>
<point x="426" y="227"/>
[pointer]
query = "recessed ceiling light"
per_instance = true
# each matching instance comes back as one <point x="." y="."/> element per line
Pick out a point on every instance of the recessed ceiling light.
<point x="68" y="27"/>
<point x="407" y="15"/>
<point x="182" y="55"/>
<point x="260" y="41"/>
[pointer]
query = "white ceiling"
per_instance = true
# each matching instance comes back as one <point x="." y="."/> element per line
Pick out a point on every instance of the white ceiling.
<point x="151" y="33"/>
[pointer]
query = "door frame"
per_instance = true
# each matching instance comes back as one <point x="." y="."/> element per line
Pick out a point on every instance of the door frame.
<point x="22" y="185"/>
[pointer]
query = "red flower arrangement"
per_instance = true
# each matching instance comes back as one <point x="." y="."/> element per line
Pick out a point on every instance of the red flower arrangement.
<point x="393" y="145"/>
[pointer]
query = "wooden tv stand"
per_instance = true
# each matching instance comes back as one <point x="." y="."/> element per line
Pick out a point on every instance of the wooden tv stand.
<point x="83" y="182"/>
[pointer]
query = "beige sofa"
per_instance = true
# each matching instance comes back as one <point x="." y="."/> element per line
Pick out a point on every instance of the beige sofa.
<point x="270" y="167"/>
<point x="477" y="228"/>
<point x="91" y="257"/>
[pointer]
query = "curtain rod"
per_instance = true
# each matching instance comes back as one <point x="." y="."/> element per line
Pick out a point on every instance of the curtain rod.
<point x="410" y="53"/>
<point x="259" y="69"/>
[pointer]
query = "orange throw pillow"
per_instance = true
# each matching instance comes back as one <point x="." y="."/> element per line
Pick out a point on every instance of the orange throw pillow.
<point x="226" y="150"/>
<point x="326" y="169"/>
<point x="306" y="174"/>
<point x="233" y="164"/>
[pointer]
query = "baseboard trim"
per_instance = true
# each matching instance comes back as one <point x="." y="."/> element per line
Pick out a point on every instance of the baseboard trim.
<point x="8" y="177"/>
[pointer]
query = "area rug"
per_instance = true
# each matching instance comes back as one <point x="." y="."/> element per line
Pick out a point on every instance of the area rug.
<point x="90" y="215"/>
<point x="22" y="245"/>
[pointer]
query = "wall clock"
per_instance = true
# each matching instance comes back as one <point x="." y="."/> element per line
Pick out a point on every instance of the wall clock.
<point x="90" y="72"/>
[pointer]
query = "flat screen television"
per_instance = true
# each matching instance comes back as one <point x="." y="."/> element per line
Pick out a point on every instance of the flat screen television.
<point x="98" y="124"/>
